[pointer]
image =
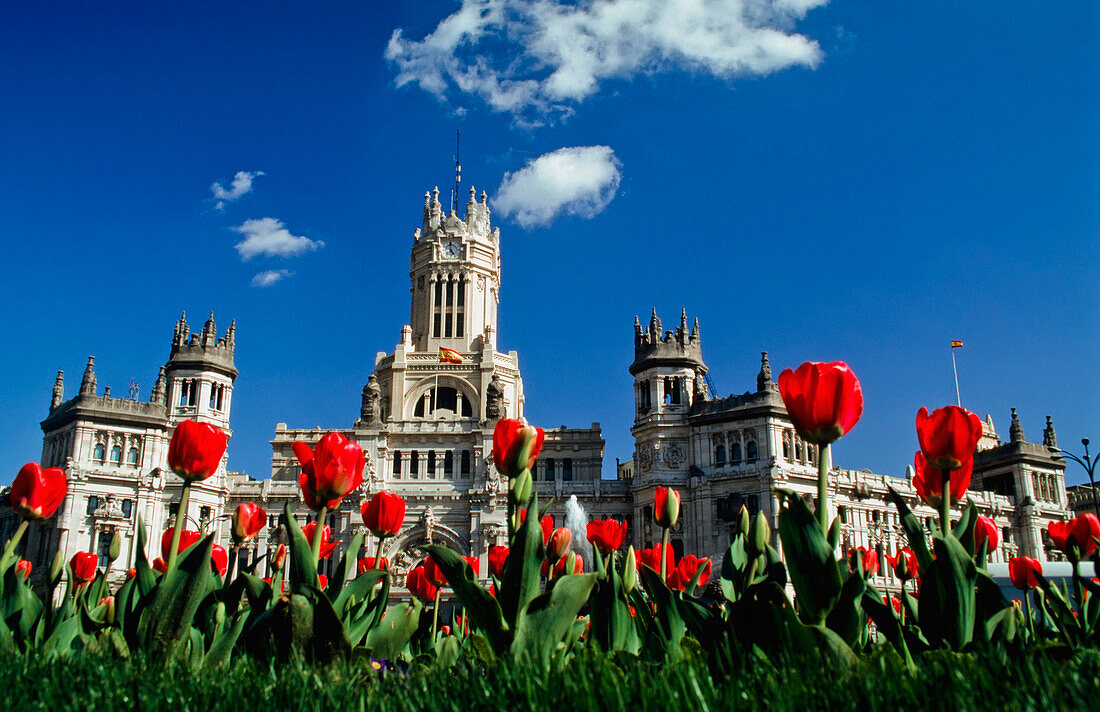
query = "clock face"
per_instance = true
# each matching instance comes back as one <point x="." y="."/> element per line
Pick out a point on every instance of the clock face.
<point x="451" y="249"/>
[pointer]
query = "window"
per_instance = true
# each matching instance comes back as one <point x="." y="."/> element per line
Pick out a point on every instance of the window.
<point x="811" y="453"/>
<point x="217" y="396"/>
<point x="414" y="463"/>
<point x="103" y="548"/>
<point x="444" y="399"/>
<point x="720" y="454"/>
<point x="116" y="454"/>
<point x="437" y="318"/>
<point x="842" y="512"/>
<point x="431" y="463"/>
<point x="567" y="469"/>
<point x="735" y="454"/>
<point x="881" y="560"/>
<point x="750" y="451"/>
<point x="189" y="391"/>
<point x="449" y="464"/>
<point x="396" y="463"/>
<point x="465" y="462"/>
<point x="549" y="469"/>
<point x="460" y="314"/>
<point x="786" y="446"/>
<point x="204" y="514"/>
<point x="132" y="457"/>
<point x="93" y="503"/>
<point x="173" y="508"/>
<point x="127" y="507"/>
<point x="100" y="453"/>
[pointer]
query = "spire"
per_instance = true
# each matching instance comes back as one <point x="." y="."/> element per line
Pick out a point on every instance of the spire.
<point x="160" y="389"/>
<point x="87" y="383"/>
<point x="179" y="338"/>
<point x="209" y="331"/>
<point x="655" y="326"/>
<point x="1050" y="438"/>
<point x="231" y="335"/>
<point x="637" y="328"/>
<point x="1015" y="430"/>
<point x="59" y="391"/>
<point x="764" y="380"/>
<point x="695" y="330"/>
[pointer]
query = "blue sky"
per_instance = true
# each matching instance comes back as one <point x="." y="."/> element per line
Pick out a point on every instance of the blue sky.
<point x="822" y="180"/>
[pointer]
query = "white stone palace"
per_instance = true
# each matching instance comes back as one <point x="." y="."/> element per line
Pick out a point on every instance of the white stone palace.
<point x="426" y="427"/>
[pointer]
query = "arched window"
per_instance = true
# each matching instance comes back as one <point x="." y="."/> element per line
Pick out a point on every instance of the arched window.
<point x="735" y="454"/>
<point x="443" y="401"/>
<point x="786" y="446"/>
<point x="132" y="457"/>
<point x="720" y="454"/>
<point x="116" y="454"/>
<point x="750" y="451"/>
<point x="449" y="463"/>
<point x="100" y="453"/>
<point x="465" y="462"/>
<point x="396" y="463"/>
<point x="811" y="453"/>
<point x="414" y="463"/>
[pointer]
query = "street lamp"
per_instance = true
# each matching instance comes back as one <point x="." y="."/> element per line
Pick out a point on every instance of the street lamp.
<point x="1090" y="468"/>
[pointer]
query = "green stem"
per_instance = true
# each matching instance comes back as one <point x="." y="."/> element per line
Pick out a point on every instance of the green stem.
<point x="945" y="504"/>
<point x="435" y="613"/>
<point x="664" y="553"/>
<point x="823" y="488"/>
<point x="9" y="548"/>
<point x="378" y="553"/>
<point x="1027" y="614"/>
<point x="318" y="533"/>
<point x="181" y="519"/>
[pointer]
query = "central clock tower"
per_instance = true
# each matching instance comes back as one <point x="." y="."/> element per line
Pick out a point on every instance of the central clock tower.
<point x="455" y="275"/>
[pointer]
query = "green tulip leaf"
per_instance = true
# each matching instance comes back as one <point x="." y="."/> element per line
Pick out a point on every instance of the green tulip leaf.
<point x="811" y="561"/>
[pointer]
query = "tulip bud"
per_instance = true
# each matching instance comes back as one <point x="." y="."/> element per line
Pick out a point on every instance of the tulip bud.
<point x="521" y="487"/>
<point x="219" y="614"/>
<point x="666" y="507"/>
<point x="743" y="517"/>
<point x="630" y="570"/>
<point x="279" y="558"/>
<point x="115" y="548"/>
<point x="558" y="546"/>
<point x="109" y="611"/>
<point x="761" y="534"/>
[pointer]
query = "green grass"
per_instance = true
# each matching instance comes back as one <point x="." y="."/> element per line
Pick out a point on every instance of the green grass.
<point x="943" y="681"/>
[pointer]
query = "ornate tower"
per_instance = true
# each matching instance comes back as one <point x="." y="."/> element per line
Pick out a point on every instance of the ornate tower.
<point x="198" y="378"/>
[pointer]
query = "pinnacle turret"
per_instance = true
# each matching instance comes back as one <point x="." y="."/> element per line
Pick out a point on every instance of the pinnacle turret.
<point x="88" y="382"/>
<point x="1015" y="430"/>
<point x="764" y="380"/>
<point x="58" y="390"/>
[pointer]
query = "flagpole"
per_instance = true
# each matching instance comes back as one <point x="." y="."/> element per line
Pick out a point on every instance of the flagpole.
<point x="958" y="398"/>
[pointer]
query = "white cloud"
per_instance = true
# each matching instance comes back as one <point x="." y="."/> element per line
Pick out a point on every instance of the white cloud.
<point x="270" y="276"/>
<point x="241" y="185"/>
<point x="268" y="237"/>
<point x="579" y="180"/>
<point x="537" y="58"/>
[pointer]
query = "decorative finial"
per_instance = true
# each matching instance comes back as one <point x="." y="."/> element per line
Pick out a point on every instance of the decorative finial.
<point x="88" y="383"/>
<point x="764" y="380"/>
<point x="1015" y="430"/>
<point x="58" y="390"/>
<point x="1050" y="438"/>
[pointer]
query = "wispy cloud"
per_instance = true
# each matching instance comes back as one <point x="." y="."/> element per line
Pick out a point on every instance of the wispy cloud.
<point x="270" y="276"/>
<point x="578" y="180"/>
<point x="538" y="58"/>
<point x="268" y="237"/>
<point x="241" y="185"/>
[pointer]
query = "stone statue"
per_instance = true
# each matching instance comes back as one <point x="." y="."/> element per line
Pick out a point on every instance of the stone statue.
<point x="427" y="520"/>
<point x="699" y="387"/>
<point x="371" y="411"/>
<point x="494" y="399"/>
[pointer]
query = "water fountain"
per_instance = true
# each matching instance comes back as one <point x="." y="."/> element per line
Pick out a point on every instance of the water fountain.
<point x="576" y="521"/>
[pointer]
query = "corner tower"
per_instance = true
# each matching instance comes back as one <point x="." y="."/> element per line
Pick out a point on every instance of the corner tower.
<point x="197" y="382"/>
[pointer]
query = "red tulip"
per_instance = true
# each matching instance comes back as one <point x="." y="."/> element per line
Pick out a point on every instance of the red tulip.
<point x="188" y="538"/>
<point x="948" y="436"/>
<point x="606" y="534"/>
<point x="367" y="563"/>
<point x="475" y="564"/>
<point x="823" y="400"/>
<point x="84" y="565"/>
<point x="326" y="534"/>
<point x="558" y="545"/>
<point x="1080" y="532"/>
<point x="666" y="509"/>
<point x="37" y="493"/>
<point x="322" y="581"/>
<point x="559" y="568"/>
<point x="511" y="439"/>
<point x="867" y="557"/>
<point x="928" y="480"/>
<point x="680" y="577"/>
<point x="986" y="532"/>
<point x="497" y="556"/>
<point x="23" y="567"/>
<point x="444" y="630"/>
<point x="131" y="573"/>
<point x="330" y="471"/>
<point x="248" y="519"/>
<point x="160" y="565"/>
<point x="547" y="524"/>
<point x="196" y="450"/>
<point x="1022" y="572"/>
<point x="420" y="585"/>
<point x="220" y="557"/>
<point x="384" y="514"/>
<point x="904" y="564"/>
<point x="280" y="556"/>
<point x="651" y="557"/>
<point x="434" y="573"/>
<point x="893" y="601"/>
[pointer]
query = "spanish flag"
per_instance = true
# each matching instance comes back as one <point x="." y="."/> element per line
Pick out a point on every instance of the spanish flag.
<point x="449" y="356"/>
<point x="956" y="344"/>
